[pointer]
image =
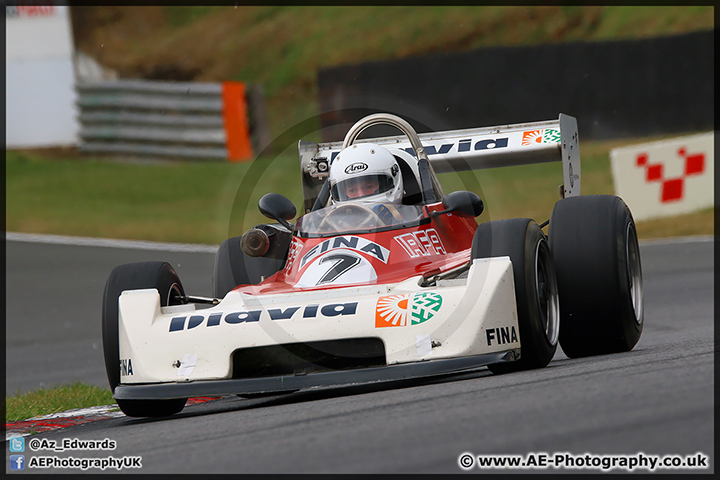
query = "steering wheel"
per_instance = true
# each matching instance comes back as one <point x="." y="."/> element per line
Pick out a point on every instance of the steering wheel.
<point x="351" y="216"/>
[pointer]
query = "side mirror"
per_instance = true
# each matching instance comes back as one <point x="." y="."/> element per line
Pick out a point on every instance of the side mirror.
<point x="277" y="207"/>
<point x="463" y="202"/>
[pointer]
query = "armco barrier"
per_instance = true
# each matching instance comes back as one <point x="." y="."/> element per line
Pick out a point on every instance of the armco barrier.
<point x="666" y="178"/>
<point x="171" y="119"/>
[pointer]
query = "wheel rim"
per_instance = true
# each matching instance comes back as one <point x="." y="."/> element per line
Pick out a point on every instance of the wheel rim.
<point x="634" y="272"/>
<point x="547" y="292"/>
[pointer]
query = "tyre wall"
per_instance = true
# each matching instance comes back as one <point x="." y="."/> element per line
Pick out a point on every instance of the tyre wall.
<point x="615" y="89"/>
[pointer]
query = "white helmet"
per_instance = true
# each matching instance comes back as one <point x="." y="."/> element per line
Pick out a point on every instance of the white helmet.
<point x="366" y="171"/>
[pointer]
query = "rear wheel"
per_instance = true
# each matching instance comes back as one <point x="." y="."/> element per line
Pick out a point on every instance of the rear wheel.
<point x="233" y="267"/>
<point x="536" y="292"/>
<point x="595" y="248"/>
<point x="134" y="276"/>
<point x="229" y="270"/>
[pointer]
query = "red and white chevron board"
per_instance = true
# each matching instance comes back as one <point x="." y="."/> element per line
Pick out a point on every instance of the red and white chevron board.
<point x="666" y="178"/>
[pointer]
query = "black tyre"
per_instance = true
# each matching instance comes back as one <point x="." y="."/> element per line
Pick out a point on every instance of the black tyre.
<point x="595" y="248"/>
<point x="233" y="267"/>
<point x="132" y="276"/>
<point x="229" y="270"/>
<point x="535" y="287"/>
<point x="151" y="408"/>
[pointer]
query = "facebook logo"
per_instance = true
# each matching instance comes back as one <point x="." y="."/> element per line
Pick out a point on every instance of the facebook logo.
<point x="17" y="444"/>
<point x="17" y="462"/>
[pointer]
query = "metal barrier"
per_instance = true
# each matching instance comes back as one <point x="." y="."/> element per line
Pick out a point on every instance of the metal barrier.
<point x="172" y="119"/>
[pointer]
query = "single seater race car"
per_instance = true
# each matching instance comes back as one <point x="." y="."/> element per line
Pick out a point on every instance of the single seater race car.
<point x="358" y="292"/>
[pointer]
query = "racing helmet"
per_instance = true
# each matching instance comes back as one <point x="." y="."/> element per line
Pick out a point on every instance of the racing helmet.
<point x="366" y="171"/>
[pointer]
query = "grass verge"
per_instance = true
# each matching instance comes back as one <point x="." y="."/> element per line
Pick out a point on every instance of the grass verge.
<point x="190" y="202"/>
<point x="56" y="399"/>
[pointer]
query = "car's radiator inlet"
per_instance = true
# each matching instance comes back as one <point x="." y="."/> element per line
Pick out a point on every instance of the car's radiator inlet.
<point x="304" y="358"/>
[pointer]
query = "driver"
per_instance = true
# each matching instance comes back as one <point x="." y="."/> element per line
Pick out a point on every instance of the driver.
<point x="370" y="173"/>
<point x="366" y="171"/>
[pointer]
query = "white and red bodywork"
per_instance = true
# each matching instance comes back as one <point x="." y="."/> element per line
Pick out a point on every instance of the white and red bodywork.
<point x="415" y="323"/>
<point x="442" y="244"/>
<point x="367" y="284"/>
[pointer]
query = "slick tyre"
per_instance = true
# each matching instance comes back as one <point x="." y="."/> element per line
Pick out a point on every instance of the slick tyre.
<point x="597" y="259"/>
<point x="229" y="270"/>
<point x="134" y="276"/>
<point x="536" y="293"/>
<point x="151" y="408"/>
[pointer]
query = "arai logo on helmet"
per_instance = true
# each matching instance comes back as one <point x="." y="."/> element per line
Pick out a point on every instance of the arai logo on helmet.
<point x="356" y="167"/>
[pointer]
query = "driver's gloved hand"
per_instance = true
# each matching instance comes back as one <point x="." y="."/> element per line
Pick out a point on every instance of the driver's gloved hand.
<point x="384" y="213"/>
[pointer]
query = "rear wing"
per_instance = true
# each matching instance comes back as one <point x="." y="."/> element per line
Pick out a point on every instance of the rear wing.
<point x="467" y="149"/>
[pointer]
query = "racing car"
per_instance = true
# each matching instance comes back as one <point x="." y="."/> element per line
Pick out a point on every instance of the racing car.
<point x="351" y="294"/>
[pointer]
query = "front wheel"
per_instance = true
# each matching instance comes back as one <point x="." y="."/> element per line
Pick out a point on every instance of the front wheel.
<point x="536" y="292"/>
<point x="134" y="276"/>
<point x="151" y="408"/>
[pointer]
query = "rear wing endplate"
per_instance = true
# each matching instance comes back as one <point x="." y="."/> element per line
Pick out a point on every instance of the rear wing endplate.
<point x="468" y="149"/>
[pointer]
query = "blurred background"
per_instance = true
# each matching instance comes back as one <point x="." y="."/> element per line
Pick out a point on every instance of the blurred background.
<point x="141" y="122"/>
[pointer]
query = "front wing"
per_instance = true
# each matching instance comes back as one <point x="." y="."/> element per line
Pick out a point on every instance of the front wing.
<point x="455" y="325"/>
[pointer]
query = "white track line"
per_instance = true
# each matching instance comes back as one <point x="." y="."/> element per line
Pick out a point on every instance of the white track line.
<point x="108" y="242"/>
<point x="672" y="240"/>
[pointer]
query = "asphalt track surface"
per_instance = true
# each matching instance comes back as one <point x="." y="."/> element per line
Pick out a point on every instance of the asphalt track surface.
<point x="656" y="400"/>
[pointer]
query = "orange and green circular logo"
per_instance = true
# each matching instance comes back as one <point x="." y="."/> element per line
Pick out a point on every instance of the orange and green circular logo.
<point x="406" y="309"/>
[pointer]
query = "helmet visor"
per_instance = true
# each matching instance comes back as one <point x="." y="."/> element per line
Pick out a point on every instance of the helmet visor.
<point x="361" y="187"/>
